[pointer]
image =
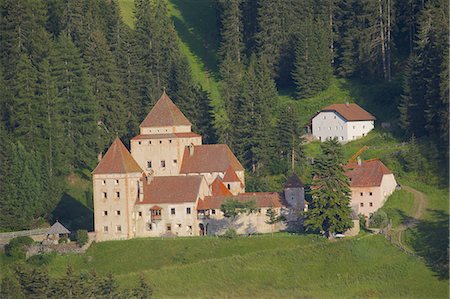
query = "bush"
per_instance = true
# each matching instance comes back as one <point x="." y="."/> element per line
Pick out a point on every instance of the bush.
<point x="63" y="239"/>
<point x="41" y="259"/>
<point x="17" y="247"/>
<point x="82" y="237"/>
<point x="362" y="221"/>
<point x="230" y="233"/>
<point x="379" y="219"/>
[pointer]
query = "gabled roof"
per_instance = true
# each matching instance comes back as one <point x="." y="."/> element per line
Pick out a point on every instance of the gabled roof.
<point x="350" y="112"/>
<point x="368" y="174"/>
<point x="230" y="175"/>
<point x="172" y="189"/>
<point x="165" y="113"/>
<point x="262" y="199"/>
<point x="218" y="188"/>
<point x="293" y="182"/>
<point x="209" y="158"/>
<point x="117" y="160"/>
<point x="57" y="228"/>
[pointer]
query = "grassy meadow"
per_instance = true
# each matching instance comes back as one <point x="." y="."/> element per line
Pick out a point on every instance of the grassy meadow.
<point x="262" y="267"/>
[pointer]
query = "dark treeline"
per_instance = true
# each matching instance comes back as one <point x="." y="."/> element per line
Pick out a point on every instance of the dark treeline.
<point x="73" y="76"/>
<point x="269" y="44"/>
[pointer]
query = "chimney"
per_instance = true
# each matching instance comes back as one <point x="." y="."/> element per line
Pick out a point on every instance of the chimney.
<point x="191" y="149"/>
<point x="100" y="156"/>
<point x="149" y="176"/>
<point x="359" y="161"/>
<point x="347" y="104"/>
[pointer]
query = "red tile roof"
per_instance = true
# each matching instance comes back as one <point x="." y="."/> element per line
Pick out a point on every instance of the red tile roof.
<point x="209" y="158"/>
<point x="351" y="112"/>
<point x="230" y="175"/>
<point x="218" y="188"/>
<point x="172" y="189"/>
<point x="117" y="160"/>
<point x="262" y="199"/>
<point x="165" y="113"/>
<point x="166" y="136"/>
<point x="368" y="174"/>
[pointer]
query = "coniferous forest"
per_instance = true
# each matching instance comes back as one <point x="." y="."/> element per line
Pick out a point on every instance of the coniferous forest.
<point x="73" y="76"/>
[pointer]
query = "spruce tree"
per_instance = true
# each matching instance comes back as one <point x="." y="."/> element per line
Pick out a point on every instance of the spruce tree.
<point x="329" y="209"/>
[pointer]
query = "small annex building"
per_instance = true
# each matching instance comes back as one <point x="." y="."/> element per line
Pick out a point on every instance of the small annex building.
<point x="345" y="122"/>
<point x="371" y="183"/>
<point x="169" y="183"/>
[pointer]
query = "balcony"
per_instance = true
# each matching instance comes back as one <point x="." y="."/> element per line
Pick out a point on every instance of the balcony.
<point x="156" y="217"/>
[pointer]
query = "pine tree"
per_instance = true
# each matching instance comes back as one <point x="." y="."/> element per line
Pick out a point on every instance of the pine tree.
<point x="106" y="89"/>
<point x="329" y="210"/>
<point x="231" y="31"/>
<point x="143" y="290"/>
<point x="78" y="106"/>
<point x="312" y="71"/>
<point x="108" y="286"/>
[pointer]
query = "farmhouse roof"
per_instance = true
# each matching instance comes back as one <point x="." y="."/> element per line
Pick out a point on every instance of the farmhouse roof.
<point x="293" y="182"/>
<point x="351" y="112"/>
<point x="165" y="113"/>
<point x="218" y="188"/>
<point x="117" y="160"/>
<point x="368" y="174"/>
<point x="172" y="189"/>
<point x="262" y="200"/>
<point x="57" y="228"/>
<point x="209" y="158"/>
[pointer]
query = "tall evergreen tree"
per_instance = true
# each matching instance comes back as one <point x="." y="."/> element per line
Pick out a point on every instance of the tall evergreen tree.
<point x="329" y="209"/>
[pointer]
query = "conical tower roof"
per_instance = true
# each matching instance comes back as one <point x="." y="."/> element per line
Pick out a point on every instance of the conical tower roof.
<point x="293" y="182"/>
<point x="117" y="160"/>
<point x="164" y="114"/>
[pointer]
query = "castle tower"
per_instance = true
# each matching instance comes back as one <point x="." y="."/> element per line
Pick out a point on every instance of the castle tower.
<point x="294" y="193"/>
<point x="164" y="134"/>
<point x="116" y="189"/>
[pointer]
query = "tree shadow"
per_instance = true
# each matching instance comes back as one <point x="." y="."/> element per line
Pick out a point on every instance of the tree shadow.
<point x="73" y="214"/>
<point x="430" y="241"/>
<point x="196" y="28"/>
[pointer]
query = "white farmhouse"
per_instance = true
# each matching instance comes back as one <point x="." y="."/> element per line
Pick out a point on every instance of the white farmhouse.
<point x="345" y="121"/>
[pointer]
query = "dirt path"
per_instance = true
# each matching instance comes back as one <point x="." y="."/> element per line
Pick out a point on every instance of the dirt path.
<point x="419" y="206"/>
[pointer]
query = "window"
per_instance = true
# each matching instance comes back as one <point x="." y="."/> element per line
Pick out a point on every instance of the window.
<point x="189" y="227"/>
<point x="342" y="128"/>
<point x="117" y="182"/>
<point x="160" y="141"/>
<point x="140" y="214"/>
<point x="170" y="140"/>
<point x="149" y="164"/>
<point x="361" y="194"/>
<point x="228" y="186"/>
<point x="156" y="212"/>
<point x="319" y="128"/>
<point x="329" y="128"/>
<point x="139" y="142"/>
<point x="361" y="204"/>
<point x="179" y="225"/>
<point x="118" y="213"/>
<point x="213" y="211"/>
<point x="364" y="134"/>
<point x="105" y="213"/>
<point x="324" y="117"/>
<point x="172" y="211"/>
<point x="118" y="194"/>
<point x="334" y="117"/>
<point x="105" y="195"/>
<point x="175" y="161"/>
<point x="169" y="227"/>
<point x="149" y="226"/>
<point x="353" y="127"/>
<point x="188" y="210"/>
<point x="104" y="182"/>
<point x="364" y="127"/>
<point x="118" y="228"/>
<point x="336" y="128"/>
<point x="105" y="229"/>
<point x="370" y="193"/>
<point x="370" y="204"/>
<point x="149" y="142"/>
<point x="342" y="137"/>
<point x="163" y="163"/>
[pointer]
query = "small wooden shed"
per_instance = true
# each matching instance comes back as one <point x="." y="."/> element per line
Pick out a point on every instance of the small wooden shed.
<point x="57" y="231"/>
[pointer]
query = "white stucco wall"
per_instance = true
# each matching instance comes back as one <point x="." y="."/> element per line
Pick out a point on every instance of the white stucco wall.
<point x="157" y="150"/>
<point x="329" y="124"/>
<point x="165" y="130"/>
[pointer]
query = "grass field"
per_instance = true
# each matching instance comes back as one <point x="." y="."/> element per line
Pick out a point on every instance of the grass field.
<point x="263" y="267"/>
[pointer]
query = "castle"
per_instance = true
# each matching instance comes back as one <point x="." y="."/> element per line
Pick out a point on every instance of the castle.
<point x="172" y="184"/>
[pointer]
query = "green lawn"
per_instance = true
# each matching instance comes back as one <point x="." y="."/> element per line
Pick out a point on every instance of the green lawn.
<point x="263" y="267"/>
<point x="399" y="207"/>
